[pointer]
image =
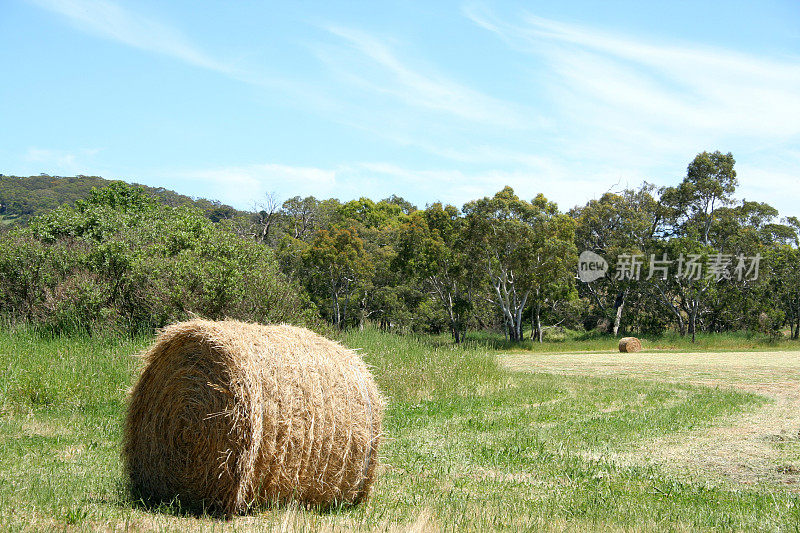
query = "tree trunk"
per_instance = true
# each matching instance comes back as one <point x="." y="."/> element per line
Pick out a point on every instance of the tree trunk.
<point x="681" y="326"/>
<point x="618" y="319"/>
<point x="512" y="330"/>
<point x="362" y="312"/>
<point x="797" y="318"/>
<point x="619" y="305"/>
<point x="797" y="326"/>
<point x="533" y="326"/>
<point x="344" y="313"/>
<point x="539" y="332"/>
<point x="536" y="323"/>
<point x="675" y="309"/>
<point x="454" y="325"/>
<point x="336" y="316"/>
<point x="516" y="316"/>
<point x="693" y="324"/>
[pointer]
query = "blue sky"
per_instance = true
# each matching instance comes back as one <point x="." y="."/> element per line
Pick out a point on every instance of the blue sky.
<point x="429" y="100"/>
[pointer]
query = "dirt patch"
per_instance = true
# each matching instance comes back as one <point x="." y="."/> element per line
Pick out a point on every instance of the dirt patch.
<point x="761" y="445"/>
<point x="32" y="427"/>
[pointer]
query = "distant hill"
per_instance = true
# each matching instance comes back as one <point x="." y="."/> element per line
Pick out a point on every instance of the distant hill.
<point x="22" y="198"/>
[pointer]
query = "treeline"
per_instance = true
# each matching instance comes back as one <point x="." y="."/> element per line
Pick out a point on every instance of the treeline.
<point x="22" y="198"/>
<point x="687" y="258"/>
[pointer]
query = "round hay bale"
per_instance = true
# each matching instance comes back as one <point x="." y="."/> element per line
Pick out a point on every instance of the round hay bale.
<point x="229" y="415"/>
<point x="629" y="345"/>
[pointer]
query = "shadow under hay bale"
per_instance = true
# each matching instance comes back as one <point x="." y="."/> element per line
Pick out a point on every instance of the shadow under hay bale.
<point x="228" y="415"/>
<point x="630" y="345"/>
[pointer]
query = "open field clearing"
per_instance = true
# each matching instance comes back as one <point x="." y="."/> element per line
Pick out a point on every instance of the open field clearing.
<point x="470" y="445"/>
<point x="751" y="369"/>
<point x="569" y="341"/>
<point x="759" y="445"/>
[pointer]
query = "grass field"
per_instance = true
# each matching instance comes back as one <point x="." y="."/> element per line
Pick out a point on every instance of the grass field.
<point x="476" y="440"/>
<point x="592" y="341"/>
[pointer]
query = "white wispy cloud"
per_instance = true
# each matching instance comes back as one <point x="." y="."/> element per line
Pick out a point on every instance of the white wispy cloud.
<point x="60" y="161"/>
<point x="240" y="185"/>
<point x="377" y="67"/>
<point x="109" y="20"/>
<point x="696" y="90"/>
<point x="421" y="101"/>
<point x="616" y="109"/>
<point x="643" y="106"/>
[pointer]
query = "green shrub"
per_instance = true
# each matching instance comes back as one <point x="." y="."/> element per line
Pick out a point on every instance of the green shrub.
<point x="120" y="261"/>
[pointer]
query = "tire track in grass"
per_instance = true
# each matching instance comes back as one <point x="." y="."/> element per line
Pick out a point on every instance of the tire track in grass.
<point x="759" y="445"/>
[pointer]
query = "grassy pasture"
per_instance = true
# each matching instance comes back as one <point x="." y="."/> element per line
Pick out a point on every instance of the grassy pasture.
<point x="592" y="341"/>
<point x="471" y="444"/>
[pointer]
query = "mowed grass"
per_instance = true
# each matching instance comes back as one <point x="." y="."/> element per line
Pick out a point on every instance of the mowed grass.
<point x="568" y="341"/>
<point x="469" y="446"/>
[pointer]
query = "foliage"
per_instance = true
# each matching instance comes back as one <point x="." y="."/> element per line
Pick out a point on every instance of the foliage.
<point x="337" y="261"/>
<point x="699" y="221"/>
<point x="119" y="259"/>
<point x="431" y="250"/>
<point x="524" y="249"/>
<point x="499" y="263"/>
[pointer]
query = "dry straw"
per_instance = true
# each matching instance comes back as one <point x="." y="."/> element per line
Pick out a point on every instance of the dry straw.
<point x="229" y="415"/>
<point x="629" y="345"/>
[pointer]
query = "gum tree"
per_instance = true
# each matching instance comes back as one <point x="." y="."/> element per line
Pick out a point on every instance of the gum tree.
<point x="616" y="225"/>
<point x="430" y="249"/>
<point x="337" y="264"/>
<point x="523" y="248"/>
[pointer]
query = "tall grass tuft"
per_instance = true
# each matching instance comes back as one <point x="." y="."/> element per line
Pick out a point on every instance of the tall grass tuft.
<point x="418" y="367"/>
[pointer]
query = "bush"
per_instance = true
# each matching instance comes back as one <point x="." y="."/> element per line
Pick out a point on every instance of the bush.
<point x="119" y="260"/>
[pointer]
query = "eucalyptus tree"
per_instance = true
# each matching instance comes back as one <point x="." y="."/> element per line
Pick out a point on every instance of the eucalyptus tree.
<point x="336" y="265"/>
<point x="784" y="284"/>
<point x="524" y="249"/>
<point x="301" y="216"/>
<point x="431" y="249"/>
<point x="621" y="227"/>
<point x="383" y="294"/>
<point x="709" y="184"/>
<point x="553" y="261"/>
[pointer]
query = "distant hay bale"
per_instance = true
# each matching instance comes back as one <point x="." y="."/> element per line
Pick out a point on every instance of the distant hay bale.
<point x="229" y="415"/>
<point x="629" y="345"/>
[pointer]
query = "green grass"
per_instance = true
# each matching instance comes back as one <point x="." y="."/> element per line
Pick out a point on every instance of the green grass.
<point x="592" y="341"/>
<point x="469" y="446"/>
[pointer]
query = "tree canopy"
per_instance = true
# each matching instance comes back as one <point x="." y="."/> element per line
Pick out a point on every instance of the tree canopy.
<point x="689" y="257"/>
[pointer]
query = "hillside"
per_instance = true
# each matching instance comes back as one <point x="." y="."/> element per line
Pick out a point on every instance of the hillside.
<point x="22" y="198"/>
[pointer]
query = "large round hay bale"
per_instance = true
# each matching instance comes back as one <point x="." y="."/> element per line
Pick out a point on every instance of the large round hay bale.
<point x="629" y="345"/>
<point x="229" y="415"/>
